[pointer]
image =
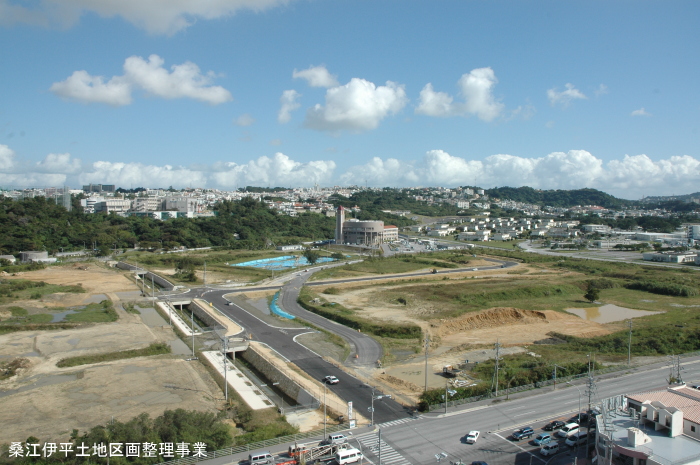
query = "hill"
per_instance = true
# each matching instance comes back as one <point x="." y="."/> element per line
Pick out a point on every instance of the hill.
<point x="557" y="198"/>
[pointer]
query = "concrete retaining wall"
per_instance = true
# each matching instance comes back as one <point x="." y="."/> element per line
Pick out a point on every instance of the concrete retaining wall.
<point x="275" y="375"/>
<point x="202" y="314"/>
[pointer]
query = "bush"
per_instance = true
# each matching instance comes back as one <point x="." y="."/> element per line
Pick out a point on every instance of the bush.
<point x="662" y="288"/>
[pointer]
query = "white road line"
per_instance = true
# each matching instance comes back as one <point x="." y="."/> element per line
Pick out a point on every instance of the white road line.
<point x="526" y="413"/>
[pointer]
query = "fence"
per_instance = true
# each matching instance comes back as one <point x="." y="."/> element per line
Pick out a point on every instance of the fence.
<point x="528" y="387"/>
<point x="256" y="445"/>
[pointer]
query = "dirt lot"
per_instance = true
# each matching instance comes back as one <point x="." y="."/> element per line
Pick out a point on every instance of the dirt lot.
<point x="52" y="401"/>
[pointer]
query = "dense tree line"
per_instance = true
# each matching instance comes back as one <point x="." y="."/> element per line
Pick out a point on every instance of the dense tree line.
<point x="372" y="203"/>
<point x="557" y="198"/>
<point x="40" y="224"/>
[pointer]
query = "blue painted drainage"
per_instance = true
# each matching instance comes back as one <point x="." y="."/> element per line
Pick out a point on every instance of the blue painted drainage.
<point x="277" y="310"/>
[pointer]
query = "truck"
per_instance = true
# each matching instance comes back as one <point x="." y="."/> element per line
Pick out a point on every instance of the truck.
<point x="448" y="371"/>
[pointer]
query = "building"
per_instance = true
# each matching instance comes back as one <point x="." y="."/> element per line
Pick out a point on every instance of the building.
<point x="670" y="257"/>
<point x="339" y="220"/>
<point x="98" y="188"/>
<point x="113" y="206"/>
<point x="34" y="256"/>
<point x="9" y="258"/>
<point x="147" y="204"/>
<point x="650" y="428"/>
<point x="391" y="233"/>
<point x="362" y="232"/>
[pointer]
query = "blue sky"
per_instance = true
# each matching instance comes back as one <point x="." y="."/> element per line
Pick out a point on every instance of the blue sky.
<point x="229" y="93"/>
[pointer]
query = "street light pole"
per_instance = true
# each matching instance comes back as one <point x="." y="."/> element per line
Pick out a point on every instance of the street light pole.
<point x="579" y="417"/>
<point x="325" y="417"/>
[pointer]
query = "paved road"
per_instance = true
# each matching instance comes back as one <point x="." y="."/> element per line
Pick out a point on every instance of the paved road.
<point x="420" y="440"/>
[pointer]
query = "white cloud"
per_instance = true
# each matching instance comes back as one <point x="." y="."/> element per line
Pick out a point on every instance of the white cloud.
<point x="184" y="81"/>
<point x="476" y="87"/>
<point x="138" y="174"/>
<point x="357" y="106"/>
<point x="84" y="88"/>
<point x="59" y="163"/>
<point x="155" y="16"/>
<point x="316" y="76"/>
<point x="244" y="120"/>
<point x="631" y="177"/>
<point x="276" y="142"/>
<point x="278" y="170"/>
<point x="566" y="96"/>
<point x="640" y="112"/>
<point x="7" y="158"/>
<point x="288" y="103"/>
<point x="601" y="90"/>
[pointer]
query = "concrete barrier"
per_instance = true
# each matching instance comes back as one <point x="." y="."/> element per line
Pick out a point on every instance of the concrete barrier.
<point x="147" y="275"/>
<point x="275" y="375"/>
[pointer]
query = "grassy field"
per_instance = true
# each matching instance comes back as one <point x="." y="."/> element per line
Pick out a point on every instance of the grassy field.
<point x="23" y="289"/>
<point x="92" y="313"/>
<point x="157" y="348"/>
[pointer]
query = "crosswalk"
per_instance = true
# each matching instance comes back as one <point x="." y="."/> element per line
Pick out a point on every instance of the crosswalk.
<point x="398" y="422"/>
<point x="370" y="444"/>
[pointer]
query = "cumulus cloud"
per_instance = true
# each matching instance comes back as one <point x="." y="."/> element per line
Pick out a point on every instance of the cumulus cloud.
<point x="640" y="112"/>
<point x="316" y="76"/>
<point x="357" y="106"/>
<point x="630" y="177"/>
<point x="564" y="97"/>
<point x="7" y="158"/>
<point x="601" y="90"/>
<point x="84" y="88"/>
<point x="288" y="103"/>
<point x="59" y="163"/>
<point x="155" y="16"/>
<point x="138" y="174"/>
<point x="476" y="88"/>
<point x="244" y="120"/>
<point x="183" y="81"/>
<point x="278" y="170"/>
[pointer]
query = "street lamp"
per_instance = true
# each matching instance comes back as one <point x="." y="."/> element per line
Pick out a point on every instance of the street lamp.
<point x="579" y="400"/>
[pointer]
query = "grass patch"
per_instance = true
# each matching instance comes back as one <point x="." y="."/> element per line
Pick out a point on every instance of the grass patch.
<point x="23" y="289"/>
<point x="17" y="311"/>
<point x="390" y="265"/>
<point x="94" y="313"/>
<point x="338" y="313"/>
<point x="129" y="307"/>
<point x="331" y="291"/>
<point x="157" y="348"/>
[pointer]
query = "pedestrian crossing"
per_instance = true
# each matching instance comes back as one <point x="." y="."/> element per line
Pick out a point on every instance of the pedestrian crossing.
<point x="398" y="422"/>
<point x="370" y="444"/>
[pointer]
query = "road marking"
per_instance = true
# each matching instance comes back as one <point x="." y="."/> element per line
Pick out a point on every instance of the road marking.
<point x="389" y="455"/>
<point x="526" y="413"/>
<point x="521" y="448"/>
<point x="516" y="408"/>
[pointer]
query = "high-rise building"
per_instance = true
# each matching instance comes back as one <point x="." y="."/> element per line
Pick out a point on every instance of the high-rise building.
<point x="339" y="220"/>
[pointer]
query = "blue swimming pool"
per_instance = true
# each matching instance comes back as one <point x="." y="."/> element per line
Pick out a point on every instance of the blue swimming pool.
<point x="282" y="263"/>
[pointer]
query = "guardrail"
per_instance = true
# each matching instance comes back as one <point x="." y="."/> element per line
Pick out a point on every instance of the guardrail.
<point x="254" y="446"/>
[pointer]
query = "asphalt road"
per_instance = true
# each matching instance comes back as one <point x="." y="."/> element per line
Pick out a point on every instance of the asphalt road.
<point x="418" y="441"/>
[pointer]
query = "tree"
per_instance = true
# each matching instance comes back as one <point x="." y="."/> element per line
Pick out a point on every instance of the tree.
<point x="337" y="256"/>
<point x="311" y="256"/>
<point x="592" y="293"/>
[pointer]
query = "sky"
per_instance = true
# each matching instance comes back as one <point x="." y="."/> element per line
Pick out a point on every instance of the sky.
<point x="296" y="93"/>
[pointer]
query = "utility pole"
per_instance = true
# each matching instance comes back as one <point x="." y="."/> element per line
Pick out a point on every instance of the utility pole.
<point x="193" y="332"/>
<point x="205" y="275"/>
<point x="555" y="374"/>
<point x="629" y="345"/>
<point x="325" y="417"/>
<point x="427" y="346"/>
<point x="225" y="347"/>
<point x="153" y="288"/>
<point x="380" y="446"/>
<point x="498" y="352"/>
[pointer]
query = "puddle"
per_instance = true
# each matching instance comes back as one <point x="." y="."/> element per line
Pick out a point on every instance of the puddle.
<point x="41" y="382"/>
<point x="58" y="317"/>
<point x="608" y="313"/>
<point x="151" y="317"/>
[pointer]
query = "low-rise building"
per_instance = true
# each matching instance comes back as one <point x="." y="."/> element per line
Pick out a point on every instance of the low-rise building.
<point x="670" y="257"/>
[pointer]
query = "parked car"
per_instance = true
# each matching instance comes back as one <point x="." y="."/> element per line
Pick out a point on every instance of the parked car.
<point x="479" y="463"/>
<point x="330" y="379"/>
<point x="542" y="439"/>
<point x="576" y="439"/>
<point x="523" y="433"/>
<point x="568" y="430"/>
<point x="550" y="449"/>
<point x="472" y="437"/>
<point x="555" y="425"/>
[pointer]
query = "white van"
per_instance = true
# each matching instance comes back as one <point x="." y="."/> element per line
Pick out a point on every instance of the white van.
<point x="549" y="449"/>
<point x="351" y="455"/>
<point x="259" y="458"/>
<point x="568" y="430"/>
<point x="576" y="439"/>
<point x="336" y="438"/>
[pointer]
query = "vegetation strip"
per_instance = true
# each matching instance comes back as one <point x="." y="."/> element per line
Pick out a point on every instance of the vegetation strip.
<point x="157" y="348"/>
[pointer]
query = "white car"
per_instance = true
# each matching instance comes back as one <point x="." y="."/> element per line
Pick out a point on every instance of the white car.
<point x="331" y="379"/>
<point x="475" y="269"/>
<point x="472" y="437"/>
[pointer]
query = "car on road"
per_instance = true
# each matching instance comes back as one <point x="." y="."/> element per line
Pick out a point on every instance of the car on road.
<point x="330" y="379"/>
<point x="472" y="437"/>
<point x="550" y="449"/>
<point x="555" y="425"/>
<point x="568" y="430"/>
<point x="542" y="439"/>
<point x="479" y="463"/>
<point x="523" y="433"/>
<point x="475" y="269"/>
<point x="577" y="439"/>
